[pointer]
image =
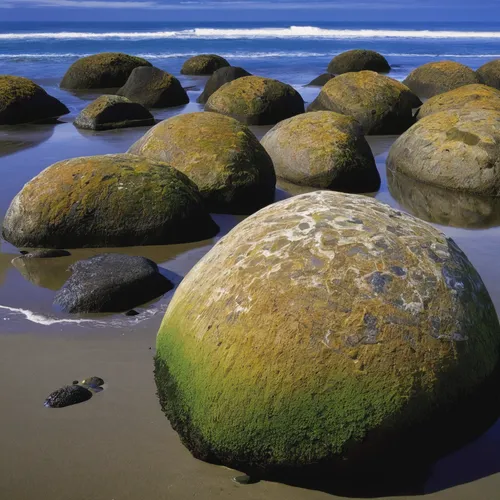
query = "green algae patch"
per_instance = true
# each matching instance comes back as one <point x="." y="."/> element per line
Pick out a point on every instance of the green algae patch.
<point x="101" y="71"/>
<point x="219" y="154"/>
<point x="256" y="101"/>
<point x="489" y="74"/>
<point x="203" y="64"/>
<point x="360" y="325"/>
<point x="106" y="201"/>
<point x="323" y="149"/>
<point x="358" y="60"/>
<point x="23" y="101"/>
<point x="436" y="78"/>
<point x="380" y="104"/>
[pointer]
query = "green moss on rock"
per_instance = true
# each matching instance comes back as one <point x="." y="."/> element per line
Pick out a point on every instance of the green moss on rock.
<point x="321" y="329"/>
<point x="256" y="101"/>
<point x="323" y="149"/>
<point x="219" y="154"/>
<point x="23" y="101"/>
<point x="203" y="64"/>
<point x="107" y="201"/>
<point x="101" y="71"/>
<point x="358" y="60"/>
<point x="489" y="74"/>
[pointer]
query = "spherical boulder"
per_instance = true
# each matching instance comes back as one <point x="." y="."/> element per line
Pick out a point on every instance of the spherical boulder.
<point x="107" y="201"/>
<point x="358" y="60"/>
<point x="436" y="78"/>
<point x="463" y="98"/>
<point x="101" y="71"/>
<point x="256" y="101"/>
<point x="328" y="329"/>
<point x="203" y="64"/>
<point x="23" y="101"/>
<point x="219" y="154"/>
<point x="320" y="80"/>
<point x="67" y="396"/>
<point x="219" y="78"/>
<point x="110" y="112"/>
<point x="380" y="104"/>
<point x="489" y="73"/>
<point x="454" y="149"/>
<point x="154" y="88"/>
<point x="323" y="149"/>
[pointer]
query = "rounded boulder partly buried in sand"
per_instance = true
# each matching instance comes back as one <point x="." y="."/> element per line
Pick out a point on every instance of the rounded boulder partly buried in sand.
<point x="323" y="149"/>
<point x="23" y="101"/>
<point x="475" y="96"/>
<point x="220" y="78"/>
<point x="489" y="73"/>
<point x="110" y="112"/>
<point x="380" y="104"/>
<point x="154" y="88"/>
<point x="358" y="60"/>
<point x="328" y="329"/>
<point x="219" y="154"/>
<point x="453" y="149"/>
<point x="256" y="101"/>
<point x="101" y="71"/>
<point x="107" y="201"/>
<point x="436" y="78"/>
<point x="203" y="64"/>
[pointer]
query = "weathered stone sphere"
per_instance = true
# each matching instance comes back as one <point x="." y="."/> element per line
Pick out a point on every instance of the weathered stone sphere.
<point x="220" y="78"/>
<point x="325" y="328"/>
<point x="436" y="78"/>
<point x="380" y="104"/>
<point x="454" y="149"/>
<point x="256" y="101"/>
<point x="320" y="80"/>
<point x="219" y="154"/>
<point x="358" y="60"/>
<point x="323" y="149"/>
<point x="203" y="64"/>
<point x="107" y="201"/>
<point x="489" y="73"/>
<point x="101" y="71"/>
<point x="463" y="98"/>
<point x="23" y="101"/>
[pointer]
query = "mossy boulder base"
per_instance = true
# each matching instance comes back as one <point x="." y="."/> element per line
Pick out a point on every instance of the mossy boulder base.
<point x="101" y="71"/>
<point x="111" y="111"/>
<point x="489" y="73"/>
<point x="219" y="78"/>
<point x="256" y="101"/>
<point x="468" y="97"/>
<point x="323" y="328"/>
<point x="380" y="104"/>
<point x="23" y="101"/>
<point x="203" y="64"/>
<point x="219" y="154"/>
<point x="107" y="201"/>
<point x="436" y="78"/>
<point x="323" y="149"/>
<point x="154" y="88"/>
<point x="454" y="149"/>
<point x="358" y="60"/>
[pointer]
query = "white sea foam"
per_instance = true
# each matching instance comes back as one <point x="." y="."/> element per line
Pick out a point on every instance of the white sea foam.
<point x="291" y="32"/>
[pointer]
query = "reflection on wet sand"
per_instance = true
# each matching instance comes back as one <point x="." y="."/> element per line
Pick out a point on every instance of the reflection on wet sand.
<point x="17" y="138"/>
<point x="448" y="208"/>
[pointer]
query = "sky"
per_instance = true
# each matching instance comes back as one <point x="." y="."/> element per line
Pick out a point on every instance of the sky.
<point x="250" y="10"/>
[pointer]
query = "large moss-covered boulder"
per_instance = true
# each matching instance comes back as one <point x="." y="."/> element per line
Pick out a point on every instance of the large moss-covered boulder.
<point x="323" y="149"/>
<point x="101" y="71"/>
<point x="358" y="60"/>
<point x="489" y="73"/>
<point x="111" y="111"/>
<point x="220" y="78"/>
<point x="107" y="201"/>
<point x="454" y="149"/>
<point x="154" y="88"/>
<point x="328" y="329"/>
<point x="256" y="101"/>
<point x="203" y="64"/>
<point x="380" y="104"/>
<point x="23" y="101"/>
<point x="436" y="78"/>
<point x="463" y="98"/>
<point x="219" y="154"/>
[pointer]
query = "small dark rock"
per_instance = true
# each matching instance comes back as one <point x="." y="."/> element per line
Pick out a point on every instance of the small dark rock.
<point x="132" y="312"/>
<point x="44" y="254"/>
<point x="93" y="381"/>
<point x="220" y="78"/>
<point x="243" y="479"/>
<point x="67" y="396"/>
<point x="321" y="80"/>
<point x="75" y="382"/>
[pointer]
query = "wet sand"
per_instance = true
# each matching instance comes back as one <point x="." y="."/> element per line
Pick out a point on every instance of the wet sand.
<point x="119" y="445"/>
